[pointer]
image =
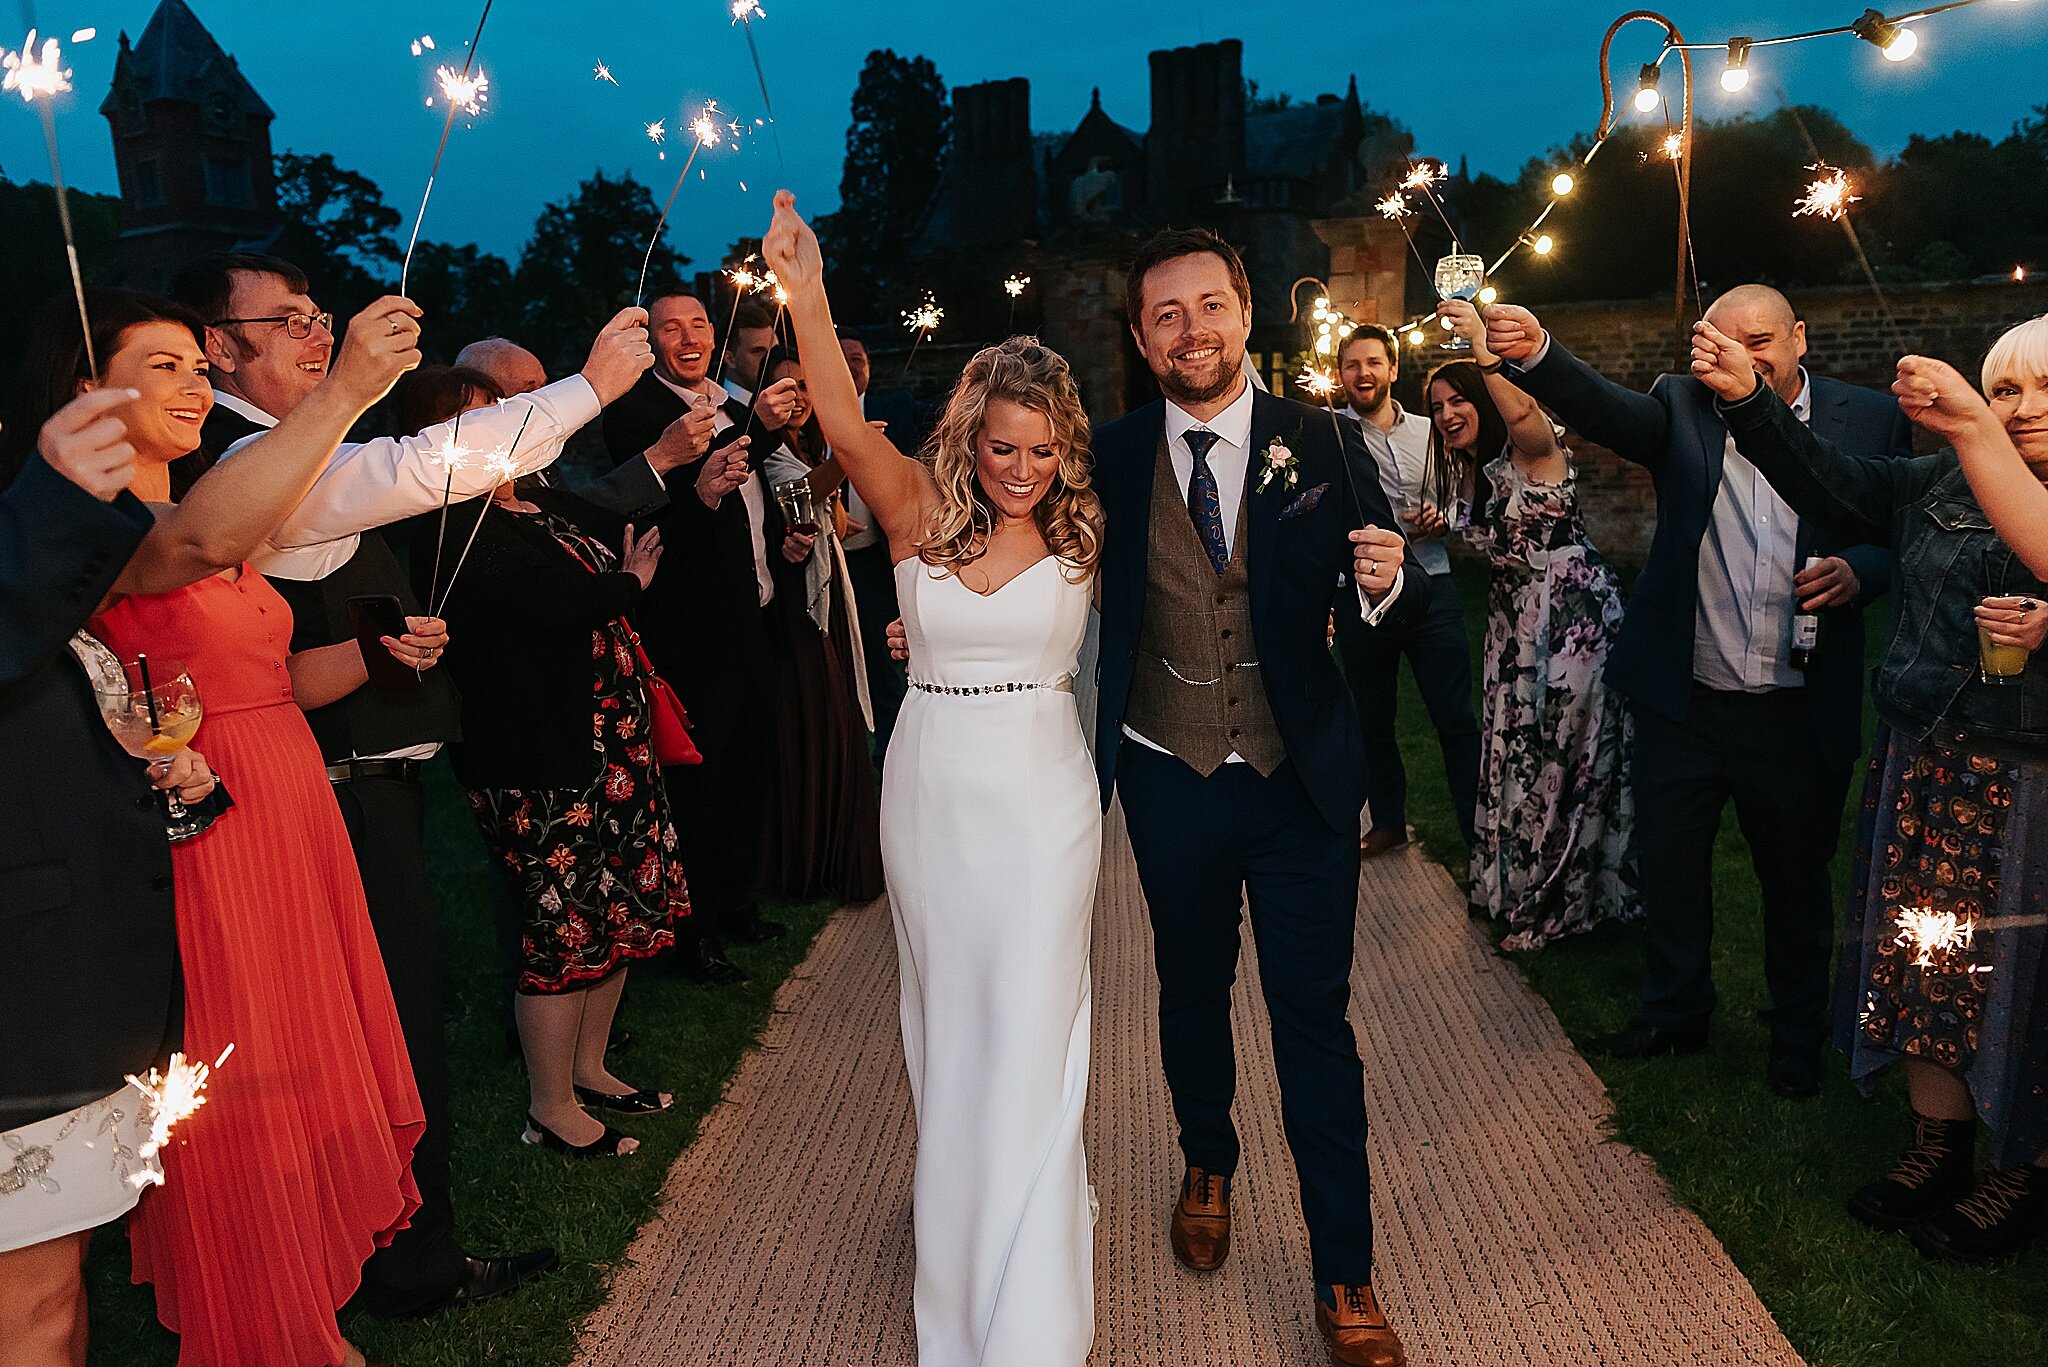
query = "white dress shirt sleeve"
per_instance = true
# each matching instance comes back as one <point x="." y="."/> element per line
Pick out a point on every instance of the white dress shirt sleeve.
<point x="1373" y="615"/>
<point x="375" y="483"/>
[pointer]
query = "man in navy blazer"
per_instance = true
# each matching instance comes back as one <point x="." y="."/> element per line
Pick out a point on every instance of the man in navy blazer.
<point x="1231" y="516"/>
<point x="1705" y="659"/>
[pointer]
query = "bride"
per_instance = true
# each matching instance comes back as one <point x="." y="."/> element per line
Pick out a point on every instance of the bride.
<point x="991" y="827"/>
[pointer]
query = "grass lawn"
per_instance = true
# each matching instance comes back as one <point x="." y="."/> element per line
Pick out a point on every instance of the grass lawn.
<point x="1768" y="1176"/>
<point x="508" y="1196"/>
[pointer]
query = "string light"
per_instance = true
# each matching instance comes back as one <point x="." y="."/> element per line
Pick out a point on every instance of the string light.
<point x="1647" y="97"/>
<point x="1562" y="183"/>
<point x="1543" y="244"/>
<point x="1488" y="295"/>
<point x="1896" y="41"/>
<point x="1736" y="74"/>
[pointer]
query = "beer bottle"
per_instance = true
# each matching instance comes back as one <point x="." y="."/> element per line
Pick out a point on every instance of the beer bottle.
<point x="1805" y="630"/>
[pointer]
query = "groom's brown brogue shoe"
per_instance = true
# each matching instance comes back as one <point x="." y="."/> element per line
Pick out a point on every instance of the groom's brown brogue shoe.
<point x="1358" y="1334"/>
<point x="1201" y="1221"/>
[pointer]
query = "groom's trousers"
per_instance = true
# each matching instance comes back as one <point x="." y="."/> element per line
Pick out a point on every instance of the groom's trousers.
<point x="1201" y="845"/>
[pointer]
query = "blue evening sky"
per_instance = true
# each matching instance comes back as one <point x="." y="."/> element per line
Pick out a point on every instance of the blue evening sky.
<point x="1488" y="79"/>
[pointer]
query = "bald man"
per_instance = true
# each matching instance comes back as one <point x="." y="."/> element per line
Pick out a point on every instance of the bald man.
<point x="1705" y="660"/>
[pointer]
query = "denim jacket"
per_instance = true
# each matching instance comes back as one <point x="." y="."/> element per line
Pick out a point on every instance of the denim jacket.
<point x="1946" y="558"/>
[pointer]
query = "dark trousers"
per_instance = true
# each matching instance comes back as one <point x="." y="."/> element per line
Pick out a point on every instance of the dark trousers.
<point x="874" y="591"/>
<point x="1440" y="652"/>
<point x="1200" y="844"/>
<point x="720" y="806"/>
<point x="1759" y="750"/>
<point x="386" y="819"/>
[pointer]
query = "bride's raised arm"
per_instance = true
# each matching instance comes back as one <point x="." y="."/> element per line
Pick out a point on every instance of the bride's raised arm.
<point x="897" y="489"/>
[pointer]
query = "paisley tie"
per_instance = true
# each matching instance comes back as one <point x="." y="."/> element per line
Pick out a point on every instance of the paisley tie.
<point x="1205" y="508"/>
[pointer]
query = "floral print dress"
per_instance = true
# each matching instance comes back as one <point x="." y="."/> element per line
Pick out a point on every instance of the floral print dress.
<point x="1554" y="854"/>
<point x="598" y="868"/>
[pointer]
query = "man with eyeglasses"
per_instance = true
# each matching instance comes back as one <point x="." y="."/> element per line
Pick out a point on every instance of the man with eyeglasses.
<point x="268" y="345"/>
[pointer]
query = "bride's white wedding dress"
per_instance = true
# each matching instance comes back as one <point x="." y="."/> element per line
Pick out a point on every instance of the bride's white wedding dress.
<point x="991" y="841"/>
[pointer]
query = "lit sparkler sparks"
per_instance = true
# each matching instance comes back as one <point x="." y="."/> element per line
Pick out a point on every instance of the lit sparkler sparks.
<point x="926" y="317"/>
<point x="1829" y="197"/>
<point x="84" y="35"/>
<point x="705" y="128"/>
<point x="1421" y="176"/>
<point x="604" y="73"/>
<point x="1674" y="145"/>
<point x="423" y="43"/>
<point x="747" y="11"/>
<point x="1014" y="286"/>
<point x="705" y="131"/>
<point x="1936" y="937"/>
<point x="657" y="132"/>
<point x="1317" y="383"/>
<point x="1394" y="206"/>
<point x="171" y="1096"/>
<point x="464" y="90"/>
<point x="744" y="279"/>
<point x="32" y="73"/>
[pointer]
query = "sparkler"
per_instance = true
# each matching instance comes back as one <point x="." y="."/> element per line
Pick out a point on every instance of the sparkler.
<point x="501" y="464"/>
<point x="1014" y="287"/>
<point x="1424" y="177"/>
<point x="452" y="456"/>
<point x="39" y="76"/>
<point x="462" y="83"/>
<point x="745" y="281"/>
<point x="462" y="90"/>
<point x="1673" y="145"/>
<point x="744" y="13"/>
<point x="604" y="73"/>
<point x="1829" y="197"/>
<point x="171" y="1096"/>
<point x="1394" y="208"/>
<point x="705" y="131"/>
<point x="922" y="320"/>
<point x="423" y="43"/>
<point x="1938" y="938"/>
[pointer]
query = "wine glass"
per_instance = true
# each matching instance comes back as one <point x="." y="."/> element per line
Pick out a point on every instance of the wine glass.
<point x="1460" y="276"/>
<point x="153" y="711"/>
<point x="799" y="506"/>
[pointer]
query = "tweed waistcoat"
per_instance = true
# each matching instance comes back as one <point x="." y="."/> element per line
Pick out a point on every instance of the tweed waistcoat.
<point x="1197" y="690"/>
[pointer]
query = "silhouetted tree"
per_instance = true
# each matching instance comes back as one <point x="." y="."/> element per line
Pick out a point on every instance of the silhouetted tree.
<point x="895" y="149"/>
<point x="582" y="265"/>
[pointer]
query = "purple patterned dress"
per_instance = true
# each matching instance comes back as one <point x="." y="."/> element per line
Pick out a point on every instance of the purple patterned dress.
<point x="1554" y="854"/>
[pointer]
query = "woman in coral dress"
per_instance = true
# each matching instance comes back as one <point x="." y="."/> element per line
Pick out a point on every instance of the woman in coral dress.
<point x="298" y="1165"/>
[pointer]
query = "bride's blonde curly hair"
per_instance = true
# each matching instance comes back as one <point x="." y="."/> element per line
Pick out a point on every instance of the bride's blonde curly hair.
<point x="1025" y="371"/>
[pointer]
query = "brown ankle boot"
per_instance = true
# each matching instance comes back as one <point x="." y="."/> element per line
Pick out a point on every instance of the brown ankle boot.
<point x="1201" y="1221"/>
<point x="1358" y="1334"/>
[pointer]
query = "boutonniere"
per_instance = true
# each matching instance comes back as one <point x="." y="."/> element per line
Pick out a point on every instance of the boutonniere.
<point x="1278" y="462"/>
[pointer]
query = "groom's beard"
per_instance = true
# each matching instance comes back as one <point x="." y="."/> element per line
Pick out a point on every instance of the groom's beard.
<point x="1200" y="384"/>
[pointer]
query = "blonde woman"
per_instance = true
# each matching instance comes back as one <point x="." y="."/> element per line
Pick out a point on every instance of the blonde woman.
<point x="991" y="827"/>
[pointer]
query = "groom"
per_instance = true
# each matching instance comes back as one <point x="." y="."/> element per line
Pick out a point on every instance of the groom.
<point x="1231" y="517"/>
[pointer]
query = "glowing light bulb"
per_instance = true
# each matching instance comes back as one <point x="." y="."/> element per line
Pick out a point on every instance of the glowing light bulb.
<point x="1734" y="78"/>
<point x="1562" y="183"/>
<point x="1415" y="337"/>
<point x="1543" y="245"/>
<point x="1323" y="345"/>
<point x="1488" y="295"/>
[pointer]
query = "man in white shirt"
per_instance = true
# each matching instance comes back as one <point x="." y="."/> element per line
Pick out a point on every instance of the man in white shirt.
<point x="1435" y="641"/>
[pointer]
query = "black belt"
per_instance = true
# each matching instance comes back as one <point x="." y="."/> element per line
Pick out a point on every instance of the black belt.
<point x="404" y="770"/>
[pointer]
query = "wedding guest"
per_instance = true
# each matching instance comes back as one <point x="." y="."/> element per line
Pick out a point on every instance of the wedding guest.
<point x="867" y="552"/>
<point x="1705" y="659"/>
<point x="2009" y="491"/>
<point x="1435" y="642"/>
<point x="1555" y="851"/>
<point x="559" y="756"/>
<point x="374" y="742"/>
<point x="278" y="1188"/>
<point x="1943" y="957"/>
<point x="823" y="837"/>
<point x="88" y="883"/>
<point x="708" y="620"/>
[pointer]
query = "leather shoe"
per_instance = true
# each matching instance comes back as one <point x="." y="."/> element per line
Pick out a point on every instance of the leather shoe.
<point x="1640" y="1039"/>
<point x="1200" y="1232"/>
<point x="485" y="1278"/>
<point x="1380" y="841"/>
<point x="701" y="959"/>
<point x="1794" y="1073"/>
<point x="1356" y="1330"/>
<point x="753" y="929"/>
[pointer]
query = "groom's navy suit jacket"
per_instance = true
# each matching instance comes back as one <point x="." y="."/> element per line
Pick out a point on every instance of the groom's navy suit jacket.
<point x="1298" y="562"/>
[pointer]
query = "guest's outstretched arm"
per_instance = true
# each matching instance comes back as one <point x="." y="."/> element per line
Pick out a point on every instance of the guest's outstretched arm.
<point x="1934" y="395"/>
<point x="1858" y="493"/>
<point x="236" y="504"/>
<point x="1529" y="427"/>
<point x="897" y="489"/>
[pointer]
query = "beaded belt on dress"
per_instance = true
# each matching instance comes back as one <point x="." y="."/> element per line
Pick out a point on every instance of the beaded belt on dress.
<point x="977" y="690"/>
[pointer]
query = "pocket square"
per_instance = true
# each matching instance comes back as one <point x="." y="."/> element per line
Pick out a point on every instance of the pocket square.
<point x="1304" y="502"/>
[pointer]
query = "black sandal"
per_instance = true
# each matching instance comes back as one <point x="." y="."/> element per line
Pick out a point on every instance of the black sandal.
<point x="632" y="1103"/>
<point x="605" y="1145"/>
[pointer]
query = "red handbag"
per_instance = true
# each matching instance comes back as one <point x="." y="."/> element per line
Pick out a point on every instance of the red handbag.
<point x="669" y="724"/>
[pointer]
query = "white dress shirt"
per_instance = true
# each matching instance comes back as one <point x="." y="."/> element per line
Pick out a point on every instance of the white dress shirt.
<point x="1742" y="630"/>
<point x="1230" y="461"/>
<point x="375" y="483"/>
<point x="1403" y="456"/>
<point x="857" y="510"/>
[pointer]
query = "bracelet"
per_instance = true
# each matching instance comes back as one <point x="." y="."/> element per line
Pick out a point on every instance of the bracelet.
<point x="1494" y="369"/>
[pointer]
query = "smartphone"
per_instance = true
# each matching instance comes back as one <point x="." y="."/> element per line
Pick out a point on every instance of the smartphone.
<point x="374" y="616"/>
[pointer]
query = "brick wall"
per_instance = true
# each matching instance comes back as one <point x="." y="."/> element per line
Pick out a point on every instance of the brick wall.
<point x="1847" y="337"/>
